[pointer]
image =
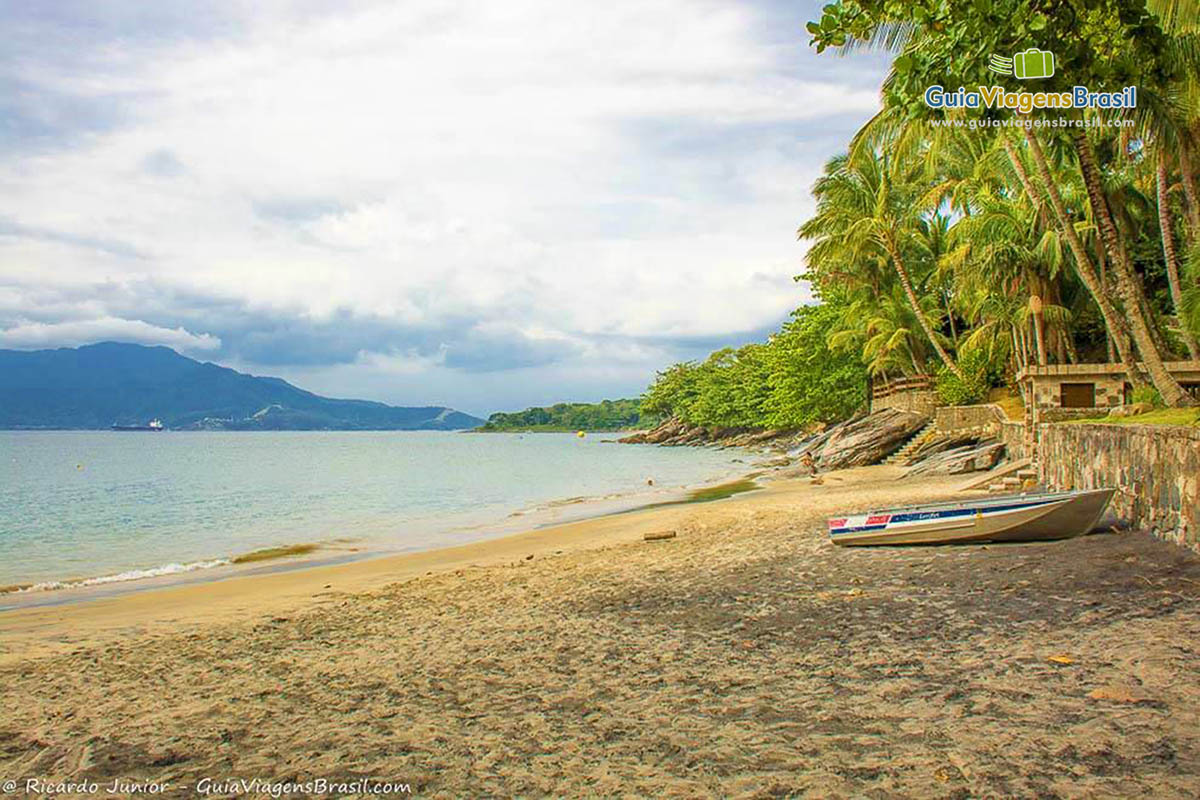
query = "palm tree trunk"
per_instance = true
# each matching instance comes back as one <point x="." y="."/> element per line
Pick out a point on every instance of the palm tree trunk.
<point x="1172" y="393"/>
<point x="950" y="317"/>
<point x="1022" y="174"/>
<point x="1083" y="265"/>
<point x="1039" y="332"/>
<point x="906" y="284"/>
<point x="1188" y="175"/>
<point x="1103" y="263"/>
<point x="1169" y="254"/>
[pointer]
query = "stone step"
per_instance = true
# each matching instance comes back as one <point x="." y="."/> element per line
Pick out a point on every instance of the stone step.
<point x="911" y="445"/>
<point x="986" y="479"/>
<point x="1027" y="474"/>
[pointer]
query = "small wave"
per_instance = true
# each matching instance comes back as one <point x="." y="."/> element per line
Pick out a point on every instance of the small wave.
<point x="128" y="575"/>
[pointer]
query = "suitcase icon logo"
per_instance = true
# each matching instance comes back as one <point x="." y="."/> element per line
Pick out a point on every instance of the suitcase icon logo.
<point x="1031" y="63"/>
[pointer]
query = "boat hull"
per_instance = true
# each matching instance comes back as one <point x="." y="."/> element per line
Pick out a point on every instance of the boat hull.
<point x="1020" y="518"/>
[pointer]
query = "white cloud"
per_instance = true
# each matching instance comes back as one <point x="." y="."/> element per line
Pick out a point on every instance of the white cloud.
<point x="636" y="169"/>
<point x="36" y="335"/>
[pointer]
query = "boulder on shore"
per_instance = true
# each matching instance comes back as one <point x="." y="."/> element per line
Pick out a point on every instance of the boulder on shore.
<point x="940" y="443"/>
<point x="675" y="431"/>
<point x="670" y="429"/>
<point x="960" y="460"/>
<point x="1131" y="410"/>
<point x="867" y="440"/>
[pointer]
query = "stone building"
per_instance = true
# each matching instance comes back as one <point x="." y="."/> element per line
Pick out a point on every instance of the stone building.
<point x="1057" y="392"/>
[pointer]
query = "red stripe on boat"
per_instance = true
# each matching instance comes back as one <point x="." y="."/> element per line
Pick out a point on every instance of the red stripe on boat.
<point x="879" y="519"/>
<point x="837" y="523"/>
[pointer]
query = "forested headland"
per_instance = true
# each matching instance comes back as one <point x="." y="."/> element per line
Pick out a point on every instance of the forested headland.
<point x="967" y="244"/>
<point x="607" y="415"/>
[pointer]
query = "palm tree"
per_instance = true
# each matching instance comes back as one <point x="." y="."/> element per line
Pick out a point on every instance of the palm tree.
<point x="1048" y="189"/>
<point x="883" y="330"/>
<point x="1127" y="282"/>
<point x="1170" y="256"/>
<point x="867" y="208"/>
<point x="1008" y="279"/>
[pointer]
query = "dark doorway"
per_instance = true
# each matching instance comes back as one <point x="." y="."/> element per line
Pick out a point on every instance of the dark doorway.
<point x="1078" y="395"/>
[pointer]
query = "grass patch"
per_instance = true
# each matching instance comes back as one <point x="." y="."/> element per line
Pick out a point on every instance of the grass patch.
<point x="707" y="494"/>
<point x="721" y="491"/>
<point x="1012" y="405"/>
<point x="1160" y="416"/>
<point x="269" y="553"/>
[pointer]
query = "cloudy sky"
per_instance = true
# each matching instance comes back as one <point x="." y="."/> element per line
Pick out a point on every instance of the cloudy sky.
<point x="487" y="204"/>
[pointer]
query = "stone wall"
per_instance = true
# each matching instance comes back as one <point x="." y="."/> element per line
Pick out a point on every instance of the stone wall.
<point x="951" y="419"/>
<point x="917" y="401"/>
<point x="985" y="418"/>
<point x="1155" y="469"/>
<point x="1065" y="414"/>
<point x="1016" y="439"/>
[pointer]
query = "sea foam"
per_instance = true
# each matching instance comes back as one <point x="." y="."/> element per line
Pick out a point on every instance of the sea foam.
<point x="129" y="575"/>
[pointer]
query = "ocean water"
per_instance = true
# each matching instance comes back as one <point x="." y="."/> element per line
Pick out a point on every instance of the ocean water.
<point x="86" y="505"/>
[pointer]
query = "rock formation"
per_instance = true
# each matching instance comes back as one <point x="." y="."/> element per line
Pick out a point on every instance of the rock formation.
<point x="864" y="441"/>
<point x="958" y="460"/>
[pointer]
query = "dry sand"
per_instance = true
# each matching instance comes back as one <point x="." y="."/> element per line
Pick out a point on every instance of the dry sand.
<point x="747" y="657"/>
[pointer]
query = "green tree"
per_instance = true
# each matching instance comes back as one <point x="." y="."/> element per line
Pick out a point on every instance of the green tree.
<point x="868" y="210"/>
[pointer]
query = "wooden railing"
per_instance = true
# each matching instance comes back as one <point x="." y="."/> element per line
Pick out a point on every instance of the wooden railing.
<point x="912" y="383"/>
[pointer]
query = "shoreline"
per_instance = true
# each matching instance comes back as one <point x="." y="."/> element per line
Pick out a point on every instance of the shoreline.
<point x="748" y="655"/>
<point x="459" y="527"/>
<point x="311" y="555"/>
<point x="59" y="618"/>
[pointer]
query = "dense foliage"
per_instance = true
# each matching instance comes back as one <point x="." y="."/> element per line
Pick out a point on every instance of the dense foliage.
<point x="969" y="244"/>
<point x="792" y="380"/>
<point x="607" y="415"/>
<point x="983" y="236"/>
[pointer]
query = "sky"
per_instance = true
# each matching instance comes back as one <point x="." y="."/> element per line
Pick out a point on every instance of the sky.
<point x="476" y="204"/>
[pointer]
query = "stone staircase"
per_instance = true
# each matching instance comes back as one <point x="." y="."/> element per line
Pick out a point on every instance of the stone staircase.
<point x="910" y="447"/>
<point x="1021" y="479"/>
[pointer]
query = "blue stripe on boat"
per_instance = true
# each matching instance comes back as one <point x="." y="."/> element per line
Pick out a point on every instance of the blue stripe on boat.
<point x="836" y="531"/>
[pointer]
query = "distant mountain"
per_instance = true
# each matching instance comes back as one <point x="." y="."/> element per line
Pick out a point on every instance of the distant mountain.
<point x="102" y="384"/>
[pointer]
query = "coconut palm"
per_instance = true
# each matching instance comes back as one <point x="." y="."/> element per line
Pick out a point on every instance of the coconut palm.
<point x="867" y="210"/>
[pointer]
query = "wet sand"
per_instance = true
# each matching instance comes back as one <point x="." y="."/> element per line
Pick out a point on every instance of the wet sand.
<point x="745" y="657"/>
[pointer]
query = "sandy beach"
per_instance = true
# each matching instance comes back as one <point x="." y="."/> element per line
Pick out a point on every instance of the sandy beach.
<point x="746" y="657"/>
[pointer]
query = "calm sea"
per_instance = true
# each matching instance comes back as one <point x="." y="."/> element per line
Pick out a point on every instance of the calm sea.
<point x="100" y="504"/>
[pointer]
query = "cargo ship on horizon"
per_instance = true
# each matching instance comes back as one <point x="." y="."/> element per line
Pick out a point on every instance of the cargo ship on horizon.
<point x="153" y="425"/>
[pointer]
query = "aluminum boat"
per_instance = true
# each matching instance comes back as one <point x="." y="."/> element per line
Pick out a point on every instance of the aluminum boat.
<point x="1012" y="518"/>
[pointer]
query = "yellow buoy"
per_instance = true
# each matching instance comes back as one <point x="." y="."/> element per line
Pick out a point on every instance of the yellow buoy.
<point x="580" y="434"/>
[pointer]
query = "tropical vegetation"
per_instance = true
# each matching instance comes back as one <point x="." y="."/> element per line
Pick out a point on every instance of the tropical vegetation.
<point x="794" y="379"/>
<point x="969" y="244"/>
<point x="607" y="415"/>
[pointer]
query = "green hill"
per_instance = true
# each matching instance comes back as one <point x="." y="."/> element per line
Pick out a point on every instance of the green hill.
<point x="607" y="415"/>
